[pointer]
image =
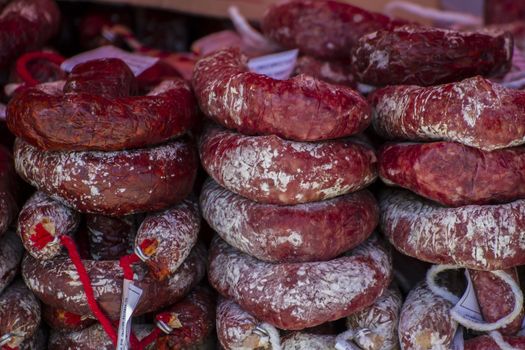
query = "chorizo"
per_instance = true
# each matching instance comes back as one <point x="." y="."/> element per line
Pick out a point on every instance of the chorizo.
<point x="111" y="183"/>
<point x="294" y="296"/>
<point x="301" y="108"/>
<point x="80" y="119"/>
<point x="268" y="169"/>
<point x="41" y="222"/>
<point x="425" y="321"/>
<point x="480" y="237"/>
<point x="431" y="170"/>
<point x="427" y="56"/>
<point x="110" y="237"/>
<point x="327" y="29"/>
<point x="56" y="283"/>
<point x="485" y="342"/>
<point x="165" y="239"/>
<point x="475" y="112"/>
<point x="26" y="25"/>
<point x="304" y="232"/>
<point x="11" y="252"/>
<point x="8" y="189"/>
<point x="19" y="314"/>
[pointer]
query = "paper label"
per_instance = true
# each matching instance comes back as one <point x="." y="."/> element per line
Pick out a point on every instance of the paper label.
<point x="468" y="305"/>
<point x="278" y="66"/>
<point x="458" y="343"/>
<point x="130" y="298"/>
<point x="137" y="63"/>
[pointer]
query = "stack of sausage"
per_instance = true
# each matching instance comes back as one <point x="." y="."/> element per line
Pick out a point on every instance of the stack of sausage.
<point x="463" y="164"/>
<point x="92" y="145"/>
<point x="286" y="197"/>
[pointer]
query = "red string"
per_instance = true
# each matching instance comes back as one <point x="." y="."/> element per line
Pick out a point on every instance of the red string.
<point x="125" y="263"/>
<point x="23" y="71"/>
<point x="71" y="318"/>
<point x="41" y="237"/>
<point x="88" y="288"/>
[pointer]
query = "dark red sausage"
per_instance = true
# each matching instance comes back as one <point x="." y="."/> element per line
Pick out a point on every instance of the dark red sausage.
<point x="110" y="237"/>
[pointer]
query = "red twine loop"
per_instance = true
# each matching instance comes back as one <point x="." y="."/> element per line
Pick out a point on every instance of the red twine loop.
<point x="22" y="62"/>
<point x="41" y="237"/>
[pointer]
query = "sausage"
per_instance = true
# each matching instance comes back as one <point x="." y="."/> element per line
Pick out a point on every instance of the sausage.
<point x="333" y="72"/>
<point x="63" y="320"/>
<point x="265" y="168"/>
<point x="288" y="295"/>
<point x="26" y="25"/>
<point x="110" y="237"/>
<point x="57" y="284"/>
<point x="19" y="313"/>
<point x="480" y="237"/>
<point x="475" y="112"/>
<point x="496" y="298"/>
<point x="325" y="29"/>
<point x="37" y="342"/>
<point x="91" y="338"/>
<point x="79" y="119"/>
<point x="503" y="11"/>
<point x="431" y="170"/>
<point x="196" y="314"/>
<point x="169" y="236"/>
<point x="303" y="340"/>
<point x="425" y="321"/>
<point x="111" y="183"/>
<point x="381" y="320"/>
<point x="238" y="329"/>
<point x="8" y="190"/>
<point x="485" y="342"/>
<point x="427" y="56"/>
<point x="315" y="231"/>
<point x="301" y="108"/>
<point x="11" y="252"/>
<point x="42" y="221"/>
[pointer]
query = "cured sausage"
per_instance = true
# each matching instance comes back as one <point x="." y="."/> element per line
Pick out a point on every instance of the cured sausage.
<point x="431" y="170"/>
<point x="495" y="298"/>
<point x="288" y="295"/>
<point x="11" y="252"/>
<point x="485" y="342"/>
<point x="26" y="25"/>
<point x="425" y="321"/>
<point x="333" y="72"/>
<point x="503" y="11"/>
<point x="8" y="188"/>
<point x="326" y="29"/>
<point x="268" y="169"/>
<point x="480" y="237"/>
<point x="238" y="329"/>
<point x="301" y="108"/>
<point x="427" y="56"/>
<point x="91" y="338"/>
<point x="63" y="320"/>
<point x="57" y="284"/>
<point x="41" y="222"/>
<point x="37" y="342"/>
<point x="475" y="112"/>
<point x="78" y="118"/>
<point x="19" y="314"/>
<point x="110" y="237"/>
<point x="165" y="239"/>
<point x="303" y="340"/>
<point x="111" y="183"/>
<point x="304" y="232"/>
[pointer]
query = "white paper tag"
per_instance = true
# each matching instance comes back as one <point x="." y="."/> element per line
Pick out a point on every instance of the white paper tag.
<point x="458" y="343"/>
<point x="137" y="63"/>
<point x="130" y="299"/>
<point x="468" y="305"/>
<point x="278" y="65"/>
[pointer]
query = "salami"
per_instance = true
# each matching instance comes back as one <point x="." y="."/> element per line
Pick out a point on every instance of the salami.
<point x="79" y="119"/>
<point x="287" y="295"/>
<point x="110" y="237"/>
<point x="26" y="25"/>
<point x="165" y="239"/>
<point x="57" y="284"/>
<point x="333" y="72"/>
<point x="19" y="313"/>
<point x="431" y="170"/>
<point x="425" y="321"/>
<point x="111" y="183"/>
<point x="303" y="232"/>
<point x="475" y="112"/>
<point x="8" y="188"/>
<point x="486" y="237"/>
<point x="326" y="29"/>
<point x="268" y="169"/>
<point x="11" y="252"/>
<point x="427" y="56"/>
<point x="63" y="320"/>
<point x="41" y="222"/>
<point x="301" y="108"/>
<point x="486" y="342"/>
